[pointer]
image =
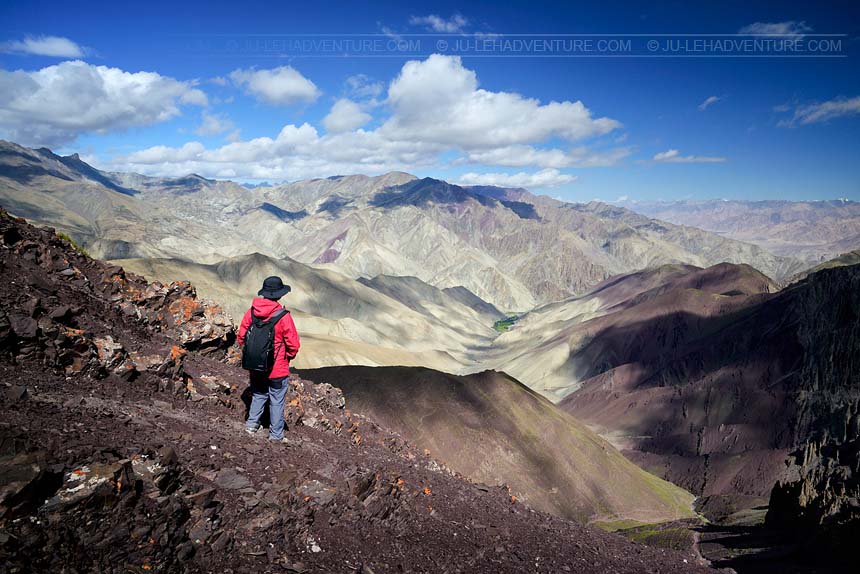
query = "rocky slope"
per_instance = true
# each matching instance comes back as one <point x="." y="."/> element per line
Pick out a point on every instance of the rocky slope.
<point x="122" y="449"/>
<point x="810" y="230"/>
<point x="714" y="388"/>
<point x="493" y="429"/>
<point x="501" y="244"/>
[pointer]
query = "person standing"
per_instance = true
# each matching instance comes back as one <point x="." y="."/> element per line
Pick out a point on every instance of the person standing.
<point x="269" y="342"/>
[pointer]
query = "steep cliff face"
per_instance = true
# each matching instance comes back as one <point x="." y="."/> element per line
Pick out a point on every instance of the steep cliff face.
<point x="821" y="495"/>
<point x="820" y="506"/>
<point x="714" y="391"/>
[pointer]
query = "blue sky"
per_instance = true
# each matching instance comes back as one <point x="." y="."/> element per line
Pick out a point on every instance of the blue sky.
<point x="171" y="88"/>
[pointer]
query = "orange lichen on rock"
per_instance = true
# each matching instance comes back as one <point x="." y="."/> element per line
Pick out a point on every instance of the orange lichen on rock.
<point x="184" y="308"/>
<point x="176" y="352"/>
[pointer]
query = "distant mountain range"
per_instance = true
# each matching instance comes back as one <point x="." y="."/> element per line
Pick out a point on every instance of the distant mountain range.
<point x="813" y="231"/>
<point x="509" y="247"/>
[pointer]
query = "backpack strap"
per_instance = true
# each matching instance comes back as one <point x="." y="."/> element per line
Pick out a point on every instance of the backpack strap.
<point x="273" y="319"/>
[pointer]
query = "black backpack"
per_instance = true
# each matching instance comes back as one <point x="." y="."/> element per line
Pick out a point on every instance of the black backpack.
<point x="258" y="352"/>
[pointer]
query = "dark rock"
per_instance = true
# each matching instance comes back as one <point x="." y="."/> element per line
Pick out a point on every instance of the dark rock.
<point x="11" y="236"/>
<point x="33" y="306"/>
<point x="204" y="498"/>
<point x="24" y="326"/>
<point x="25" y="482"/>
<point x="232" y="479"/>
<point x="97" y="482"/>
<point x="167" y="456"/>
<point x="16" y="393"/>
<point x="62" y="313"/>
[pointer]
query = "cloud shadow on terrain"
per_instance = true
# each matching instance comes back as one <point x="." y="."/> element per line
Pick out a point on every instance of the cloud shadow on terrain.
<point x="422" y="192"/>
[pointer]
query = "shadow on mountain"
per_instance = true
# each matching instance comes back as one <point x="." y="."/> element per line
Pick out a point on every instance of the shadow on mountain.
<point x="24" y="174"/>
<point x="496" y="430"/>
<point x="717" y="403"/>
<point x="755" y="549"/>
<point x="522" y="209"/>
<point x="189" y="184"/>
<point x="75" y="163"/>
<point x="334" y="205"/>
<point x="283" y="214"/>
<point x="422" y="192"/>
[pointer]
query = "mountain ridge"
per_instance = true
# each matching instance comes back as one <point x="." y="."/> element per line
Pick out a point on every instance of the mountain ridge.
<point x="493" y="241"/>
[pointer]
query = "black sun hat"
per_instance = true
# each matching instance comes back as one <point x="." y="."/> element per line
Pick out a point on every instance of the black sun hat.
<point x="273" y="288"/>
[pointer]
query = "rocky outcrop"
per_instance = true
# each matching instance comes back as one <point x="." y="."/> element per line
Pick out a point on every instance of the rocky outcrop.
<point x="821" y="505"/>
<point x="175" y="309"/>
<point x="39" y="325"/>
<point x="819" y="501"/>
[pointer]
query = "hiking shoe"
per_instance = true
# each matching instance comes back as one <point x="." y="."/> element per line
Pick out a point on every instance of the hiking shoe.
<point x="253" y="429"/>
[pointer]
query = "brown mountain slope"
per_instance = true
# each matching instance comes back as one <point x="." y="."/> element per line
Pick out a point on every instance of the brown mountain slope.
<point x="556" y="347"/>
<point x="123" y="445"/>
<point x="493" y="429"/>
<point x="713" y="391"/>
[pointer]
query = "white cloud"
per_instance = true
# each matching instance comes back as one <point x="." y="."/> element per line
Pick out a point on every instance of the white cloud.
<point x="362" y="86"/>
<point x="451" y="25"/>
<point x="389" y="32"/>
<point x="214" y="124"/>
<point x="52" y="106"/>
<point x="539" y="180"/>
<point x="674" y="156"/>
<point x="434" y="109"/>
<point x="790" y="30"/>
<point x="345" y="115"/>
<point x="53" y="46"/>
<point x="523" y="155"/>
<point x="438" y="100"/>
<point x="282" y="86"/>
<point x="298" y="152"/>
<point x="821" y="112"/>
<point x="710" y="100"/>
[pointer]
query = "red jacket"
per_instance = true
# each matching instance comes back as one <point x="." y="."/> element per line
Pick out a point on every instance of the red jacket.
<point x="286" y="337"/>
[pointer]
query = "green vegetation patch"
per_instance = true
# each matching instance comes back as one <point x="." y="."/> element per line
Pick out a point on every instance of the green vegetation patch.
<point x="503" y="325"/>
<point x="74" y="245"/>
<point x="616" y="525"/>
<point x="677" y="535"/>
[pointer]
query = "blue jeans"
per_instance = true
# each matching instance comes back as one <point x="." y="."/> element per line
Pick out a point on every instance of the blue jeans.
<point x="273" y="390"/>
